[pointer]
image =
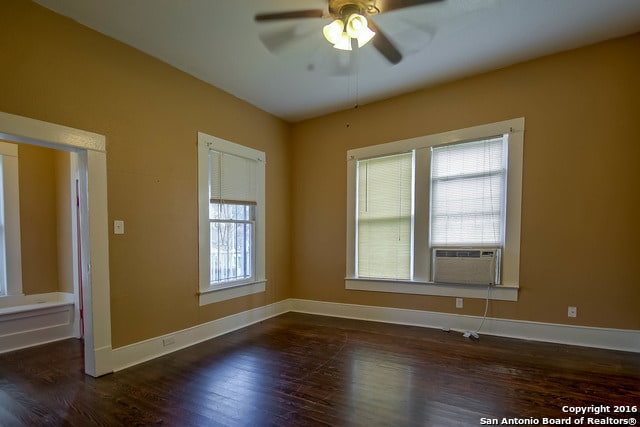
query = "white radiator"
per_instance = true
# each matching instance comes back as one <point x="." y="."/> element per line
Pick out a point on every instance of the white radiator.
<point x="476" y="266"/>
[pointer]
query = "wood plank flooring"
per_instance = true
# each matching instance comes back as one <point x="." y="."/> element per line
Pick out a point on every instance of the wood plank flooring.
<point x="304" y="370"/>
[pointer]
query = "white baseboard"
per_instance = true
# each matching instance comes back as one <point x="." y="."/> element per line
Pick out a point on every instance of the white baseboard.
<point x="101" y="363"/>
<point x="124" y="357"/>
<point x="613" y="339"/>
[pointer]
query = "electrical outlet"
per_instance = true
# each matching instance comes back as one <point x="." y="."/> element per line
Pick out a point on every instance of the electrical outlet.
<point x="458" y="302"/>
<point x="118" y="226"/>
<point x="572" y="311"/>
<point x="168" y="341"/>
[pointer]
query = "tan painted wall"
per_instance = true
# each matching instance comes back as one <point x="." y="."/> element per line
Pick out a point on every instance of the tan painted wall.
<point x="150" y="113"/>
<point x="580" y="228"/>
<point x="38" y="219"/>
<point x="45" y="227"/>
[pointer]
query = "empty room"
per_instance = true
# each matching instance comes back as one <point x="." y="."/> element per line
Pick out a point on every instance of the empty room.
<point x="319" y="212"/>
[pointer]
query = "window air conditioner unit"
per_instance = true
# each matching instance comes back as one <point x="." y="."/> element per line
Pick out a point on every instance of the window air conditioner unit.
<point x="477" y="266"/>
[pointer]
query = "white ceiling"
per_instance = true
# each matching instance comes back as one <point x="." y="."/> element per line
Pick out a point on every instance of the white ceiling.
<point x="302" y="76"/>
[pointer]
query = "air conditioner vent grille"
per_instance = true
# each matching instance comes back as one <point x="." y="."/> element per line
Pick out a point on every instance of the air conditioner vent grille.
<point x="466" y="266"/>
<point x="455" y="253"/>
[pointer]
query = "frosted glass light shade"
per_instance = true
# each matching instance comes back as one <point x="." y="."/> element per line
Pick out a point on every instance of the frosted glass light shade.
<point x="340" y="35"/>
<point x="333" y="31"/>
<point x="358" y="28"/>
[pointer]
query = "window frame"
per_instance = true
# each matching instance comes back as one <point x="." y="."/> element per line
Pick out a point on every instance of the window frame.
<point x="11" y="206"/>
<point x="208" y="292"/>
<point x="421" y="283"/>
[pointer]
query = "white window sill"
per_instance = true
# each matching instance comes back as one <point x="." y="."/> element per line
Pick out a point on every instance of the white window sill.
<point x="218" y="294"/>
<point x="498" y="292"/>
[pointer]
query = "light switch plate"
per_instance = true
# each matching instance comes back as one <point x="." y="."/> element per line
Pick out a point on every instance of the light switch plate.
<point x="118" y="227"/>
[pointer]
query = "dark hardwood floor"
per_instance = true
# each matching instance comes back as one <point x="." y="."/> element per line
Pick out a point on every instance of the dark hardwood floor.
<point x="297" y="370"/>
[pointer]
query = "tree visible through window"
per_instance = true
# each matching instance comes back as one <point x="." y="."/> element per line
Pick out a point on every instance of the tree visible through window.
<point x="231" y="234"/>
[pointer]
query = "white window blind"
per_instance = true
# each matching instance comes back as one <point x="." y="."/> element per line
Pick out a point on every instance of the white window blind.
<point x="384" y="222"/>
<point x="468" y="187"/>
<point x="232" y="178"/>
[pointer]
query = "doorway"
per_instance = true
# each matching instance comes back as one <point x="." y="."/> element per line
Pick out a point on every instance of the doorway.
<point x="92" y="229"/>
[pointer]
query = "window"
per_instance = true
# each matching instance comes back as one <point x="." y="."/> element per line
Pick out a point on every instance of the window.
<point x="231" y="236"/>
<point x="384" y="217"/>
<point x="231" y="185"/>
<point x="456" y="189"/>
<point x="468" y="193"/>
<point x="10" y="252"/>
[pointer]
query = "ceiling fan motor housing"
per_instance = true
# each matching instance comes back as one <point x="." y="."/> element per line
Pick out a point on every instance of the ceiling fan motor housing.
<point x="342" y="9"/>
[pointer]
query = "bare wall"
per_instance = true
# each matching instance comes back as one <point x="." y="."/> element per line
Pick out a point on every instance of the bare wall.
<point x="580" y="228"/>
<point x="38" y="219"/>
<point x="150" y="113"/>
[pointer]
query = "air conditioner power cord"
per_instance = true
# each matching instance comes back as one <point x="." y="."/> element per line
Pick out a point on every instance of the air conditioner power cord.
<point x="475" y="334"/>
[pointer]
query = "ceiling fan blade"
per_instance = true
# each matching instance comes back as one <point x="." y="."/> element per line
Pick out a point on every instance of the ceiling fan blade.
<point x="383" y="44"/>
<point x="285" y="38"/>
<point x="389" y="5"/>
<point x="293" y="14"/>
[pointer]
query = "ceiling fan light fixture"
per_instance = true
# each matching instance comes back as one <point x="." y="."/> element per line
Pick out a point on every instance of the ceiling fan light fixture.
<point x="344" y="43"/>
<point x="355" y="24"/>
<point x="358" y="28"/>
<point x="333" y="31"/>
<point x="339" y="33"/>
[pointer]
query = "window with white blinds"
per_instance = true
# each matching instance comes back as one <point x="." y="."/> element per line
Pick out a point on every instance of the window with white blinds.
<point x="385" y="216"/>
<point x="468" y="183"/>
<point x="231" y="206"/>
<point x="461" y="188"/>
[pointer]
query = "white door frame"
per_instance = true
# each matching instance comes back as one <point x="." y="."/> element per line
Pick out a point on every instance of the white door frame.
<point x="92" y="163"/>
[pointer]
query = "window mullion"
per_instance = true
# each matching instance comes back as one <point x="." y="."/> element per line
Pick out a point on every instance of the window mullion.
<point x="421" y="229"/>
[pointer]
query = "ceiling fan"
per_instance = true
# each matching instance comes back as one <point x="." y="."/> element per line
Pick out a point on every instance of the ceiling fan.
<point x="352" y="26"/>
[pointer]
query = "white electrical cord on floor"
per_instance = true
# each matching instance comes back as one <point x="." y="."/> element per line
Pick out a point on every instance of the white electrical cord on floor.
<point x="474" y="334"/>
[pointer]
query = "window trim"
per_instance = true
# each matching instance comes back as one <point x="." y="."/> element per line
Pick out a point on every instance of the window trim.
<point x="208" y="293"/>
<point x="13" y="252"/>
<point x="421" y="283"/>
